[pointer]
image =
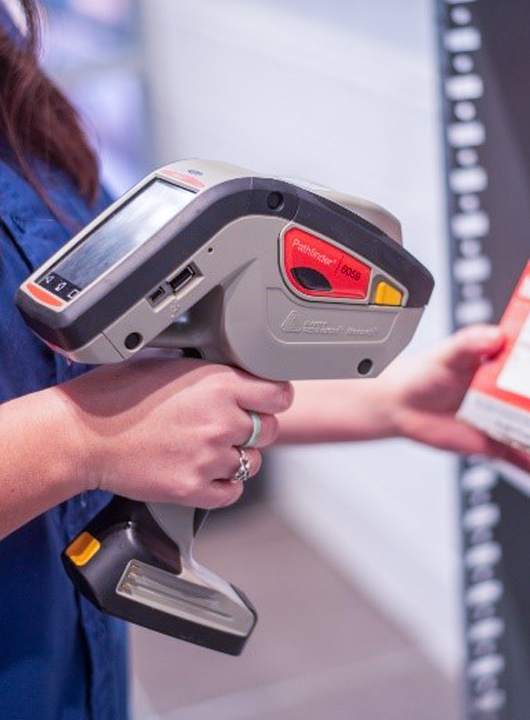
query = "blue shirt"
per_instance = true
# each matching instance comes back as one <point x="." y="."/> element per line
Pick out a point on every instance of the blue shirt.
<point x="60" y="658"/>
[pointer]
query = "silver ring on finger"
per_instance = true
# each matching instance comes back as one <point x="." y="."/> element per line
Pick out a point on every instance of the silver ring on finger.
<point x="242" y="474"/>
<point x="256" y="430"/>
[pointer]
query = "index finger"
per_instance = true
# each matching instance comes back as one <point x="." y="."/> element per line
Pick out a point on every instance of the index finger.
<point x="263" y="396"/>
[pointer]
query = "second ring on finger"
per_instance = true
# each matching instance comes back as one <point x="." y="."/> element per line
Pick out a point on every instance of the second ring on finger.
<point x="249" y="463"/>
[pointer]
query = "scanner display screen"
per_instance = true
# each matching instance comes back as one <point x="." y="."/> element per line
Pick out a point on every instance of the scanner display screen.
<point x="133" y="224"/>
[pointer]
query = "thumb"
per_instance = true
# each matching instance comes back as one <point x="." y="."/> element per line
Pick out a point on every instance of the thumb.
<point x="466" y="349"/>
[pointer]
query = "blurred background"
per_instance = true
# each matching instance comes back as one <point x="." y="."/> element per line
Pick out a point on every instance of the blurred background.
<point x="349" y="552"/>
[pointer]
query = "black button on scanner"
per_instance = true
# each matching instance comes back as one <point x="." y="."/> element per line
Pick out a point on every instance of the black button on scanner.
<point x="311" y="279"/>
<point x="133" y="340"/>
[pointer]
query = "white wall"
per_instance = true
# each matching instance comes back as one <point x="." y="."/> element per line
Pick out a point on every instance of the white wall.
<point x="346" y="94"/>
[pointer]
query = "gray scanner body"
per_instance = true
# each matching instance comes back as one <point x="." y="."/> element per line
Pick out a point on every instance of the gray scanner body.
<point x="285" y="280"/>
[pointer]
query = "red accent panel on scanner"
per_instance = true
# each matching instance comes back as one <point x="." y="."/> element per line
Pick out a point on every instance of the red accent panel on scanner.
<point x="346" y="276"/>
<point x="43" y="296"/>
<point x="184" y="177"/>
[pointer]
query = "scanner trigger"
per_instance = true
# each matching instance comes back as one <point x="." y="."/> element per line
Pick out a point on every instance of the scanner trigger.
<point x="311" y="279"/>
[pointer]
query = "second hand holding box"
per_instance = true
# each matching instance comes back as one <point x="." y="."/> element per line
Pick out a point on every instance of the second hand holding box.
<point x="498" y="400"/>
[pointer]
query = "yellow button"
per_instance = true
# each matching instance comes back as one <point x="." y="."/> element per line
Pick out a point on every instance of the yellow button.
<point x="386" y="294"/>
<point x="83" y="549"/>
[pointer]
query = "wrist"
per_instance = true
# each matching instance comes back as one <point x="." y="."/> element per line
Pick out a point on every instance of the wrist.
<point x="392" y="421"/>
<point x="69" y="459"/>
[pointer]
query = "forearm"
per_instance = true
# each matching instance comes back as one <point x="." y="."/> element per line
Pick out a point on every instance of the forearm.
<point x="39" y="463"/>
<point x="338" y="411"/>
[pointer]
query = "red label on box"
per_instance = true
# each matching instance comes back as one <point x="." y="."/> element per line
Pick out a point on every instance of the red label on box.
<point x="507" y="377"/>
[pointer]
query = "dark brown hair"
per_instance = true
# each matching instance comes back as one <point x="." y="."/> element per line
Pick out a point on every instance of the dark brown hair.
<point x="36" y="119"/>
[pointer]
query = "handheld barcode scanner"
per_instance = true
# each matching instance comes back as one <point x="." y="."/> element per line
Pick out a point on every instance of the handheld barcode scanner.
<point x="285" y="280"/>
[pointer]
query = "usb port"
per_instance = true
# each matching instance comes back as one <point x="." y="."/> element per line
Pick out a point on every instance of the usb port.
<point x="181" y="279"/>
<point x="156" y="295"/>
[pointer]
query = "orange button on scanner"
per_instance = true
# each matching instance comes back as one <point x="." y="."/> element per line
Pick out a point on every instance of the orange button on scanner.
<point x="386" y="294"/>
<point x="83" y="549"/>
